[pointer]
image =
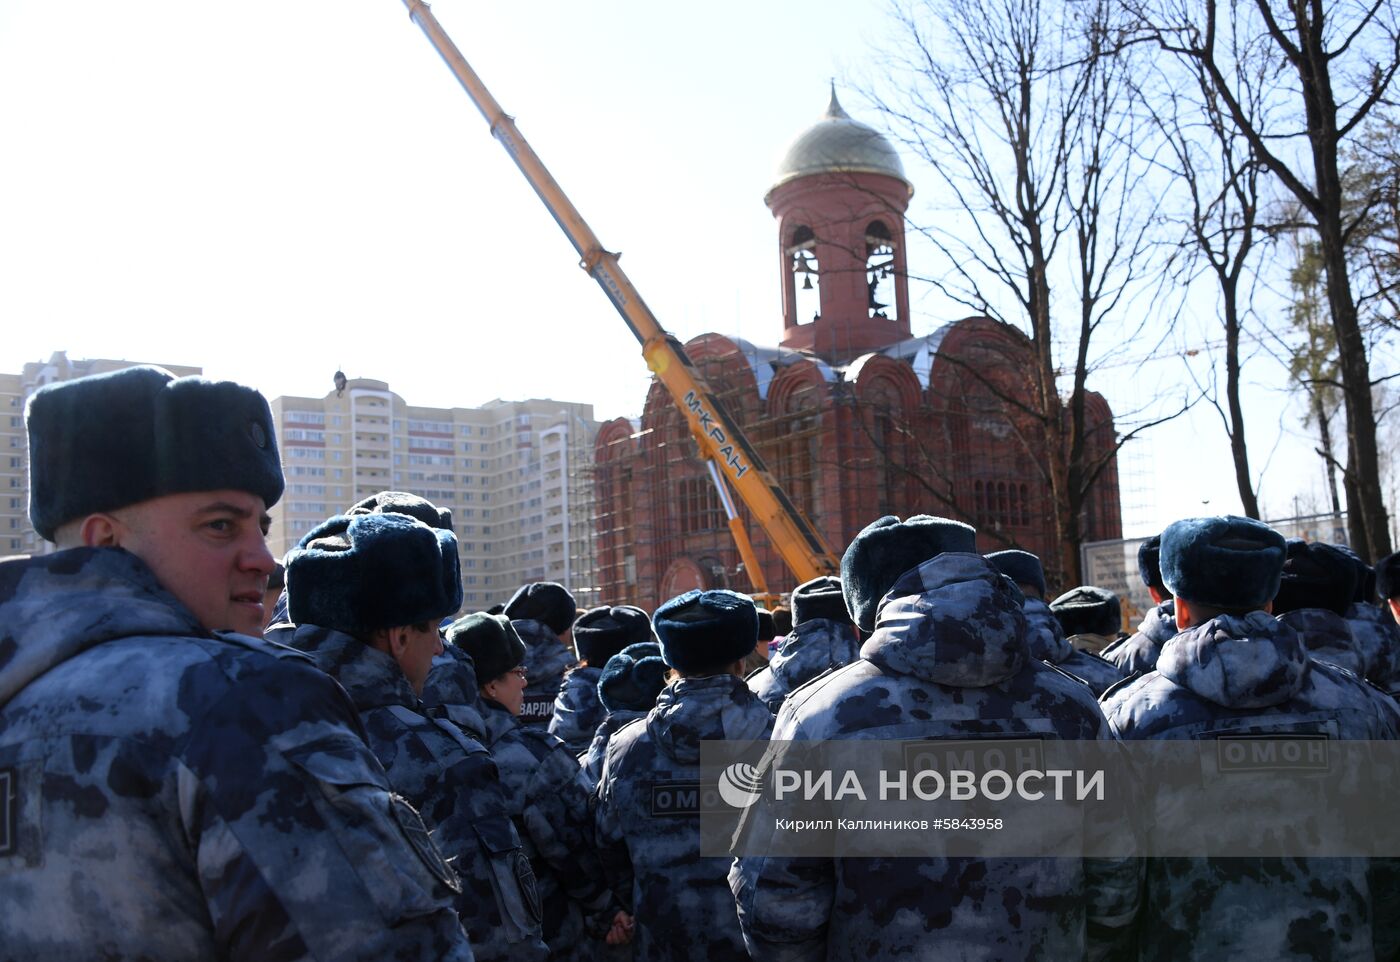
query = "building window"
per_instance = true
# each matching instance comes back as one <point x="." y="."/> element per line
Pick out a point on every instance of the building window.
<point x="304" y="417"/>
<point x="698" y="506"/>
<point x="879" y="269"/>
<point x="806" y="275"/>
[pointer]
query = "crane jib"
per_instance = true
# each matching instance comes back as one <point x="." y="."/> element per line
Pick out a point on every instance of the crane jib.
<point x="711" y="430"/>
<point x="800" y="545"/>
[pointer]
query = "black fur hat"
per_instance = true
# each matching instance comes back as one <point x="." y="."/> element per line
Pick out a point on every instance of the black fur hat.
<point x="1150" y="562"/>
<point x="602" y="632"/>
<point x="491" y="641"/>
<point x="887" y="548"/>
<point x="706" y="630"/>
<point x="1088" y="610"/>
<point x="767" y="627"/>
<point x="1388" y="577"/>
<point x="1224" y="562"/>
<point x="1315" y="575"/>
<point x="819" y="598"/>
<point x="633" y="678"/>
<point x="401" y="502"/>
<point x="546" y="602"/>
<point x="373" y="571"/>
<point x="1021" y="567"/>
<point x="1365" y="576"/>
<point x="104" y="442"/>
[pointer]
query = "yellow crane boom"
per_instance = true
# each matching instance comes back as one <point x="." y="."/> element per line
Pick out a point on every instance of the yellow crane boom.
<point x="720" y="438"/>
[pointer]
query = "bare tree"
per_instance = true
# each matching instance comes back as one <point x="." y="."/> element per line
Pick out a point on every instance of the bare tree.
<point x="1218" y="174"/>
<point x="1025" y="113"/>
<point x="1337" y="61"/>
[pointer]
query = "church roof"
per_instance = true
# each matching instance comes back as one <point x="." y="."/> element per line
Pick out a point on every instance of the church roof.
<point x="767" y="362"/>
<point x="839" y="144"/>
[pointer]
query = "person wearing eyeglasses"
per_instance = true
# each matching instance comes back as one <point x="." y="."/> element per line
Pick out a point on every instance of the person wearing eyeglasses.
<point x="546" y="794"/>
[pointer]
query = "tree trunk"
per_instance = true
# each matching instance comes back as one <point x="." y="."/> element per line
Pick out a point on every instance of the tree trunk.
<point x="1238" y="452"/>
<point x="1313" y="64"/>
<point x="1329" y="457"/>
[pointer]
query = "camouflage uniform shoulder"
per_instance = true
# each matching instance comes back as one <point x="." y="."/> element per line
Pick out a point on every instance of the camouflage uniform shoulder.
<point x="540" y="743"/>
<point x="621" y="744"/>
<point x="440" y="738"/>
<point x="627" y="734"/>
<point x="1354" y="690"/>
<point x="1065" y="684"/>
<point x="264" y="646"/>
<point x="1120" y="702"/>
<point x="805" y="691"/>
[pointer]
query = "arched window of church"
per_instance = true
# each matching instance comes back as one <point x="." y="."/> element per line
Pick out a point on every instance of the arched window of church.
<point x="979" y="497"/>
<point x="806" y="274"/>
<point x="890" y="436"/>
<point x="879" y="271"/>
<point x="797" y="449"/>
<point x="1003" y="505"/>
<point x="1025" y="507"/>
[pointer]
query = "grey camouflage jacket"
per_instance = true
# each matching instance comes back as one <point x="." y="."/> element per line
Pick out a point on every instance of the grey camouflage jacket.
<point x="1045" y="637"/>
<point x="1047" y="642"/>
<point x="1252" y="675"/>
<point x="1378" y="637"/>
<point x="453" y="782"/>
<point x="1327" y="637"/>
<point x="451" y="692"/>
<point x="948" y="659"/>
<point x="550" y="804"/>
<point x="1138" y="653"/>
<point x="592" y="761"/>
<point x="577" y="711"/>
<point x="546" y="660"/>
<point x="683" y="907"/>
<point x="168" y="794"/>
<point x="813" y="647"/>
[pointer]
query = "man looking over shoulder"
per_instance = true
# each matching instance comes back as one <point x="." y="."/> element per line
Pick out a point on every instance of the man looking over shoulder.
<point x="171" y="785"/>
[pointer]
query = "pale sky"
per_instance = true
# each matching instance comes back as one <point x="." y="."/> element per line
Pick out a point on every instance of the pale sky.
<point x="273" y="191"/>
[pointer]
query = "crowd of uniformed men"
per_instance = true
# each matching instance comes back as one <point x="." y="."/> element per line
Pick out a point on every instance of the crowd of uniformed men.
<point x="199" y="763"/>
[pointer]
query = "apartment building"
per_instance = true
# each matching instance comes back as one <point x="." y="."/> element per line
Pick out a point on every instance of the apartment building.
<point x="16" y="534"/>
<point x="517" y="476"/>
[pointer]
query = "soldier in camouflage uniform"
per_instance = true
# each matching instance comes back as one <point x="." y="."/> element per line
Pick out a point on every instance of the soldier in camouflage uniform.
<point x="598" y="635"/>
<point x="947" y="657"/>
<point x="366" y="594"/>
<point x="1236" y="669"/>
<point x="1377" y="636"/>
<point x="1046" y="636"/>
<point x="681" y="904"/>
<point x="627" y="690"/>
<point x="1388" y="591"/>
<point x="451" y="691"/>
<point x="822" y="638"/>
<point x="1137" y="654"/>
<point x="1314" y="591"/>
<point x="543" y="613"/>
<point x="548" y="798"/>
<point x="172" y="786"/>
<point x="1091" y="618"/>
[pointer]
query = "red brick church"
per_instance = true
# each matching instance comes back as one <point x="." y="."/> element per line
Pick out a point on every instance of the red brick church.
<point x="854" y="416"/>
